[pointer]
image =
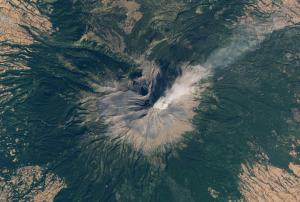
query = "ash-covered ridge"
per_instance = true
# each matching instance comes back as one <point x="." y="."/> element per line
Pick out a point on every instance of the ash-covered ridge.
<point x="144" y="115"/>
<point x="149" y="111"/>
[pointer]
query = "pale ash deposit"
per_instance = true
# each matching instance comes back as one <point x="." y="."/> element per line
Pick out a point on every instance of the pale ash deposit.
<point x="146" y="123"/>
<point x="131" y="109"/>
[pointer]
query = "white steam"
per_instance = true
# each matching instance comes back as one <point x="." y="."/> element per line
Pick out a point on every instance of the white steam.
<point x="185" y="85"/>
<point x="126" y="113"/>
<point x="149" y="127"/>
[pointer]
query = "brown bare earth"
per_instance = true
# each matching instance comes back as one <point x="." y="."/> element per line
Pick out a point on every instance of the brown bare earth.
<point x="17" y="13"/>
<point x="270" y="184"/>
<point x="30" y="184"/>
<point x="272" y="15"/>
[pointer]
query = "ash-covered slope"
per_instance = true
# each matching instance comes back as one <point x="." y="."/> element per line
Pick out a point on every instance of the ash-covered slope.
<point x="84" y="118"/>
<point x="143" y="115"/>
